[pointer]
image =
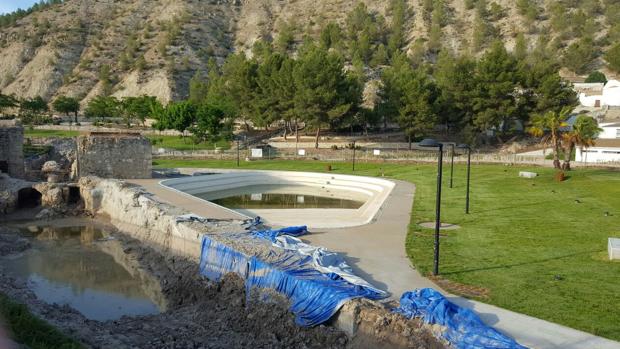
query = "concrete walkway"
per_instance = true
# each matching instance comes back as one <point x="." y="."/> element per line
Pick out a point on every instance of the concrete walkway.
<point x="186" y="201"/>
<point x="376" y="252"/>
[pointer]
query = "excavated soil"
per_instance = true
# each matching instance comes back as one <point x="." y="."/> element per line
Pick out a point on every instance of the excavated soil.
<point x="201" y="313"/>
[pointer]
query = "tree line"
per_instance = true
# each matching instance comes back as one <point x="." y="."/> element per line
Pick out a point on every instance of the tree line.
<point x="319" y="84"/>
<point x="318" y="89"/>
<point x="36" y="111"/>
<point x="9" y="19"/>
<point x="461" y="95"/>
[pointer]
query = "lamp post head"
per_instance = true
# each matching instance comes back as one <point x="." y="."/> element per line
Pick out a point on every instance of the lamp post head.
<point x="430" y="143"/>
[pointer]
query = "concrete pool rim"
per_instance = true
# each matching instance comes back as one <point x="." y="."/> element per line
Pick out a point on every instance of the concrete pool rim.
<point x="376" y="189"/>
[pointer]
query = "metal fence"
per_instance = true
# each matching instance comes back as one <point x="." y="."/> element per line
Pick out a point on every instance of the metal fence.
<point x="366" y="155"/>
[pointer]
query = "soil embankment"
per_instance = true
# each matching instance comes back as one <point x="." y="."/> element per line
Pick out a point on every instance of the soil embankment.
<point x="164" y="241"/>
<point x="201" y="313"/>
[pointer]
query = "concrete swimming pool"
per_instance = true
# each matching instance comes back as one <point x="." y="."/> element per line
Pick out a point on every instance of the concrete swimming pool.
<point x="281" y="198"/>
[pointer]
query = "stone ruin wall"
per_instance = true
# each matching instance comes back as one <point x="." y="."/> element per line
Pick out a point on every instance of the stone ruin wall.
<point x="11" y="147"/>
<point x="141" y="215"/>
<point x="123" y="156"/>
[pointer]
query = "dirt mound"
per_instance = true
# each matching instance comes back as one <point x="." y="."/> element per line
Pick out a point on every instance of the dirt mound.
<point x="201" y="314"/>
<point x="204" y="314"/>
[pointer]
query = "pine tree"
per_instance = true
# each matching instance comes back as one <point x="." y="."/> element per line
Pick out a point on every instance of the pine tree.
<point x="238" y="83"/>
<point x="331" y="37"/>
<point x="380" y="57"/>
<point x="493" y="97"/>
<point x="396" y="37"/>
<point x="520" y="51"/>
<point x="323" y="89"/>
<point x="455" y="83"/>
<point x="613" y="57"/>
<point x="197" y="89"/>
<point x="285" y="37"/>
<point x="438" y="21"/>
<point x="409" y="94"/>
<point x="579" y="55"/>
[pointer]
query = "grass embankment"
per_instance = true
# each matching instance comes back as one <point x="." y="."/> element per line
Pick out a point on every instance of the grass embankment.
<point x="185" y="143"/>
<point x="168" y="142"/>
<point x="534" y="246"/>
<point x="34" y="133"/>
<point x="29" y="330"/>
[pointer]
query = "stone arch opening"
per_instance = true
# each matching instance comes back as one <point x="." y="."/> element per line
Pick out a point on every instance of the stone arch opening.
<point x="28" y="198"/>
<point x="4" y="166"/>
<point x="73" y="196"/>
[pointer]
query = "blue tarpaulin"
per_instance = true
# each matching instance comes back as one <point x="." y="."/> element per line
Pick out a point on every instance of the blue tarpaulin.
<point x="217" y="259"/>
<point x="315" y="296"/>
<point x="323" y="260"/>
<point x="272" y="234"/>
<point x="464" y="329"/>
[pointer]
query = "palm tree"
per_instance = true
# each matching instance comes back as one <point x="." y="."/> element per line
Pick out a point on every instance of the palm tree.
<point x="548" y="126"/>
<point x="583" y="134"/>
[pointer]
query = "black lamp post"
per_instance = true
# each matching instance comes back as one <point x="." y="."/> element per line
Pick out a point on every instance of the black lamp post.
<point x="431" y="143"/>
<point x="353" y="156"/>
<point x="465" y="146"/>
<point x="238" y="151"/>
<point x="451" y="164"/>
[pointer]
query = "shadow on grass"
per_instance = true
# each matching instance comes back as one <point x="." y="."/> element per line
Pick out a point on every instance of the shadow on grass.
<point x="522" y="264"/>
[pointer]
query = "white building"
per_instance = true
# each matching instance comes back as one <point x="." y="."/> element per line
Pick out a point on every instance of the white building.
<point x="606" y="147"/>
<point x="599" y="95"/>
<point x="590" y="94"/>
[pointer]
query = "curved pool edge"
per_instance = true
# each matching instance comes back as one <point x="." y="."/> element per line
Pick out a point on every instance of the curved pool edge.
<point x="378" y="189"/>
<point x="209" y="203"/>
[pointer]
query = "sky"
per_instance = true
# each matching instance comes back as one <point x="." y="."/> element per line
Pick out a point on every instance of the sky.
<point x="12" y="5"/>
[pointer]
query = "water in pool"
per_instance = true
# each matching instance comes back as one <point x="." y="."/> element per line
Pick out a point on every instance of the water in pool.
<point x="77" y="267"/>
<point x="282" y="197"/>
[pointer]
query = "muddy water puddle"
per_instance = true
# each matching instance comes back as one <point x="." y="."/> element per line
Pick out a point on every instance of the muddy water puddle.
<point x="85" y="268"/>
<point x="278" y="196"/>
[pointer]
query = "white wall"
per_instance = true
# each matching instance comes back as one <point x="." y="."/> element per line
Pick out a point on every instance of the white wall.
<point x="611" y="93"/>
<point x="610" y="96"/>
<point x="598" y="154"/>
<point x="609" y="131"/>
<point x="590" y="101"/>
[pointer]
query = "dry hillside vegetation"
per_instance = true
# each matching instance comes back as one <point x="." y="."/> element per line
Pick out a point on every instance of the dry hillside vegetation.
<point x="84" y="48"/>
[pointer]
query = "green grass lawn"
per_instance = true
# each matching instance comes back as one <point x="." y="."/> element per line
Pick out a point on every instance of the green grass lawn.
<point x="29" y="330"/>
<point x="34" y="133"/>
<point x="528" y="242"/>
<point x="169" y="142"/>
<point x="180" y="143"/>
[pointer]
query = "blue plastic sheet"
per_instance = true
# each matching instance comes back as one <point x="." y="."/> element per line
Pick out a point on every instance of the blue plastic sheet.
<point x="217" y="259"/>
<point x="272" y="234"/>
<point x="464" y="329"/>
<point x="314" y="296"/>
<point x="323" y="260"/>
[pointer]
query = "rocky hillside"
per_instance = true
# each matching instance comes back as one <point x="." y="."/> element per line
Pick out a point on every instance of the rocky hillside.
<point x="83" y="48"/>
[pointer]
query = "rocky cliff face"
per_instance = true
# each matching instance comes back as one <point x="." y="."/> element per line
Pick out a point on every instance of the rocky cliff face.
<point x="82" y="48"/>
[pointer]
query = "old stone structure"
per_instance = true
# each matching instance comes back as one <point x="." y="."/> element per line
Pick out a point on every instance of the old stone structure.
<point x="11" y="148"/>
<point x="114" y="155"/>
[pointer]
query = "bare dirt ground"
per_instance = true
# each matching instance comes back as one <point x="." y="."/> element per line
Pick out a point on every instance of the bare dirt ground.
<point x="201" y="313"/>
